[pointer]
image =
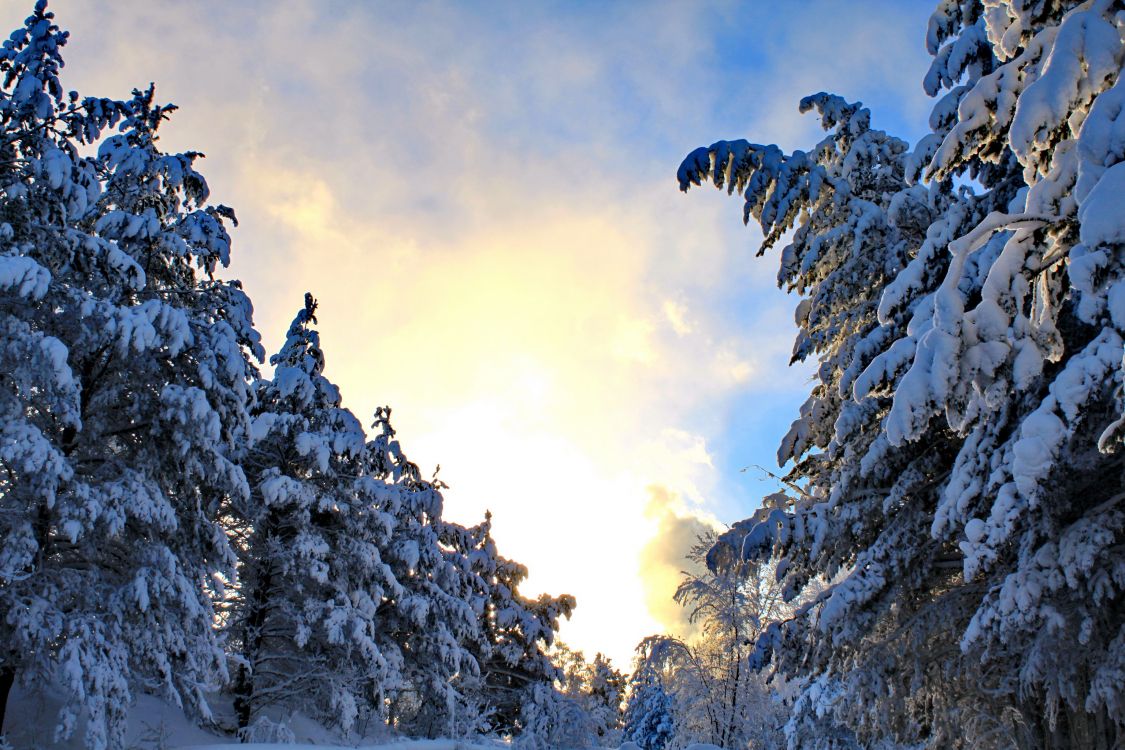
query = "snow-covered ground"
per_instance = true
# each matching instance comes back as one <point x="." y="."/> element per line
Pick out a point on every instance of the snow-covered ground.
<point x="157" y="725"/>
<point x="441" y="744"/>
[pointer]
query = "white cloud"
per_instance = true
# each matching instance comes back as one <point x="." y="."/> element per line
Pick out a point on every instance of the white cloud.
<point x="665" y="557"/>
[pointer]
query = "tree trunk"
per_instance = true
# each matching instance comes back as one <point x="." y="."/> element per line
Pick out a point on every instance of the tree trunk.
<point x="253" y="626"/>
<point x="7" y="679"/>
<point x="251" y="650"/>
<point x="734" y="695"/>
<point x="259" y="587"/>
<point x="243" y="689"/>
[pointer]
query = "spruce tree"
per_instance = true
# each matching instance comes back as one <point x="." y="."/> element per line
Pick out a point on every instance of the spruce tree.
<point x="516" y="632"/>
<point x="122" y="403"/>
<point x="312" y="577"/>
<point x="856" y="224"/>
<point x="649" y="718"/>
<point x="428" y="627"/>
<point x="961" y="491"/>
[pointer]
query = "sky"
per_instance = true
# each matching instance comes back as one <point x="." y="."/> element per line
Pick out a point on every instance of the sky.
<point x="482" y="196"/>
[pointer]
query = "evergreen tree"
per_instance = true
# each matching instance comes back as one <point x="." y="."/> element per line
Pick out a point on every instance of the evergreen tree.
<point x="1032" y="368"/>
<point x="137" y="443"/>
<point x="551" y="719"/>
<point x="122" y="401"/>
<point x="516" y="632"/>
<point x="952" y="461"/>
<point x="649" y="720"/>
<point x="606" y="699"/>
<point x="429" y="626"/>
<point x="312" y="578"/>
<point x="857" y="222"/>
<point x="583" y="708"/>
<point x="597" y="688"/>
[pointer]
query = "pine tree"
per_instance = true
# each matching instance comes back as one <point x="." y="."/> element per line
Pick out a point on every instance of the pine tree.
<point x="429" y="626"/>
<point x="312" y="578"/>
<point x="551" y="719"/>
<point x="649" y="719"/>
<point x="858" y="222"/>
<point x="516" y="632"/>
<point x="956" y="479"/>
<point x="606" y="700"/>
<point x="123" y="398"/>
<point x="1032" y="496"/>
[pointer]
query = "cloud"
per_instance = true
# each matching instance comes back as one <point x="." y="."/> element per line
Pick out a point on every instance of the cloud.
<point x="664" y="558"/>
<point x="676" y="313"/>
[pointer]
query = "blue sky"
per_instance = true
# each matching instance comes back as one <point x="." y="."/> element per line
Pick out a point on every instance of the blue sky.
<point x="483" y="197"/>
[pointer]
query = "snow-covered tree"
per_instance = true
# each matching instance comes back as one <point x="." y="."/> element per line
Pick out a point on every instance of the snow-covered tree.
<point x="143" y="463"/>
<point x="312" y="577"/>
<point x="606" y="699"/>
<point x="516" y="632"/>
<point x="713" y="694"/>
<point x="354" y="591"/>
<point x="649" y="712"/>
<point x="959" y="456"/>
<point x="122" y="400"/>
<point x="598" y="688"/>
<point x="583" y="708"/>
<point x="430" y="625"/>
<point x="1026" y="352"/>
<point x="551" y="719"/>
<point x="733" y="605"/>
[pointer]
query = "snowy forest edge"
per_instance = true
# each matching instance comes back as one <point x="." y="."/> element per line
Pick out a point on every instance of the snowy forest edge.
<point x="944" y="567"/>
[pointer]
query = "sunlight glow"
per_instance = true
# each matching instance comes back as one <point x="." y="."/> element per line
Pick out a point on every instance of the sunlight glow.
<point x="550" y="319"/>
